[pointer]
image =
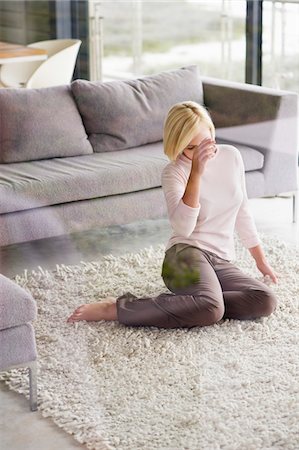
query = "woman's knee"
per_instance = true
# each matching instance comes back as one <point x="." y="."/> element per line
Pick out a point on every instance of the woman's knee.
<point x="265" y="302"/>
<point x="269" y="303"/>
<point x="210" y="312"/>
<point x="216" y="313"/>
<point x="199" y="309"/>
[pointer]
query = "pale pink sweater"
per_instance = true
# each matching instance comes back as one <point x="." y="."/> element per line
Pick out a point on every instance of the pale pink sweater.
<point x="223" y="204"/>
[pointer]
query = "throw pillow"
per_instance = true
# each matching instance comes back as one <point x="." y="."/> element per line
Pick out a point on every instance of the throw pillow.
<point x="121" y="114"/>
<point x="39" y="124"/>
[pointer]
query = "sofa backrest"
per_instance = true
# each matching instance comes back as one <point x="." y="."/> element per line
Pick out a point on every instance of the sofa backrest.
<point x="49" y="122"/>
<point x="40" y="124"/>
<point x="122" y="114"/>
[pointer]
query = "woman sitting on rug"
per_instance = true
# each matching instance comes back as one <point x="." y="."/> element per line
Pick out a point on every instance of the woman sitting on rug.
<point x="204" y="187"/>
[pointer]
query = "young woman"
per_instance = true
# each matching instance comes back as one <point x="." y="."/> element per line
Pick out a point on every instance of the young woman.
<point x="205" y="192"/>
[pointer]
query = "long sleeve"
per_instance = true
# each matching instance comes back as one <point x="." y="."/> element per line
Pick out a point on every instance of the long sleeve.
<point x="223" y="208"/>
<point x="183" y="218"/>
<point x="245" y="225"/>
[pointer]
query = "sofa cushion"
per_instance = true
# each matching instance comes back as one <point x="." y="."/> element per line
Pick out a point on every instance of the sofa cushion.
<point x="40" y="123"/>
<point x="16" y="305"/>
<point x="253" y="159"/>
<point x="39" y="183"/>
<point x="121" y="114"/>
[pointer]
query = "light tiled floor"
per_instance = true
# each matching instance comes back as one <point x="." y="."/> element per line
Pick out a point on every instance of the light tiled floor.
<point x="21" y="429"/>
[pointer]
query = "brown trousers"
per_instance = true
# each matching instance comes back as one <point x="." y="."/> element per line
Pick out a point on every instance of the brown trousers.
<point x="206" y="288"/>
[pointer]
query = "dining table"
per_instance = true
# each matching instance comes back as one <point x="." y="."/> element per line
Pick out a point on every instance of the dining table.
<point x="14" y="53"/>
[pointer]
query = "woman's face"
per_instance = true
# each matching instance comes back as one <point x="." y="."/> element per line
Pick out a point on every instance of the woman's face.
<point x="203" y="133"/>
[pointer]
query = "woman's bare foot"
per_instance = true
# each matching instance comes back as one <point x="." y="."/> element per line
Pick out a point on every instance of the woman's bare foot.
<point x="105" y="310"/>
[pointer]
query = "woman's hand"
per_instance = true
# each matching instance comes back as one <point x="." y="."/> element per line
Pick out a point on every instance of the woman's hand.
<point x="261" y="262"/>
<point x="266" y="269"/>
<point x="202" y="153"/>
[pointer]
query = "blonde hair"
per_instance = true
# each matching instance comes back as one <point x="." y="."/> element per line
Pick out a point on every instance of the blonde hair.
<point x="181" y="126"/>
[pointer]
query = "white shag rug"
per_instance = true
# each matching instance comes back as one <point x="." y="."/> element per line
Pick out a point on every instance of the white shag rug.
<point x="231" y="386"/>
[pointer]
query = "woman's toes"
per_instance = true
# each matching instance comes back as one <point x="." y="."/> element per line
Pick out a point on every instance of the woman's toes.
<point x="74" y="316"/>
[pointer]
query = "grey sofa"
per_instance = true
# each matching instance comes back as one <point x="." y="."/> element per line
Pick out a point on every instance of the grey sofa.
<point x="91" y="155"/>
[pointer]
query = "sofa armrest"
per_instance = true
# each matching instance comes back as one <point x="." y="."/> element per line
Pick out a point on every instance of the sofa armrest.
<point x="260" y="117"/>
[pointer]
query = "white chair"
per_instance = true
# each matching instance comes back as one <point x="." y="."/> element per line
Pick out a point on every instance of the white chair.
<point x="57" y="69"/>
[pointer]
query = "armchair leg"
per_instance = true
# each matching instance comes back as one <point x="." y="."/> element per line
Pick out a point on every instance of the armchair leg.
<point x="33" y="385"/>
<point x="295" y="206"/>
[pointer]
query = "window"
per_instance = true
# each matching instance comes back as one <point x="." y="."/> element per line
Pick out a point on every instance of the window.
<point x="145" y="37"/>
<point x="280" y="44"/>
